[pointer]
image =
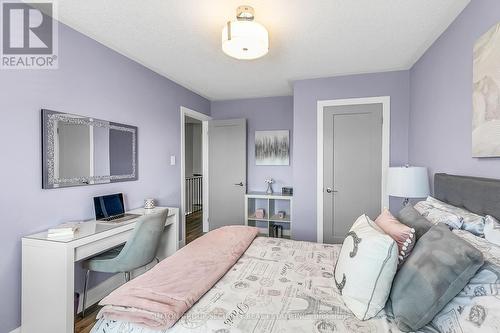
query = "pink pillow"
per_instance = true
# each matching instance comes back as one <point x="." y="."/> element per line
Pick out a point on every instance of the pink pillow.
<point x="402" y="234"/>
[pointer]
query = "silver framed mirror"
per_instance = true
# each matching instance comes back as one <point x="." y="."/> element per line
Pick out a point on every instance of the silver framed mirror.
<point x="79" y="151"/>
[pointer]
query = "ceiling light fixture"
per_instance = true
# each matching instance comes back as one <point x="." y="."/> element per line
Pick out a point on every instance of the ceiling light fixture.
<point x="244" y="38"/>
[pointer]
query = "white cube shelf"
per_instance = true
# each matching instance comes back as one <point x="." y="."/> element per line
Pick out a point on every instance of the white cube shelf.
<point x="272" y="204"/>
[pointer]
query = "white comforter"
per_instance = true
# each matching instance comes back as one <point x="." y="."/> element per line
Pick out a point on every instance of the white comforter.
<point x="281" y="286"/>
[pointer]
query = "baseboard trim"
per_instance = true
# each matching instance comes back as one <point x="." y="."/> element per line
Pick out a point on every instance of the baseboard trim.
<point x="17" y="330"/>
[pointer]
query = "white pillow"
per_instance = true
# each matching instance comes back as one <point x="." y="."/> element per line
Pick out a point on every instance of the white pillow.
<point x="492" y="230"/>
<point x="365" y="268"/>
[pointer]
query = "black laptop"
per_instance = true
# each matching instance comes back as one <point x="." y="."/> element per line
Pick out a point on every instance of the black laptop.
<point x="110" y="208"/>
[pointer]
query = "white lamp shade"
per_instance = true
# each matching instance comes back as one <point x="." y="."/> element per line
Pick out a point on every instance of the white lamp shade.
<point x="245" y="40"/>
<point x="408" y="182"/>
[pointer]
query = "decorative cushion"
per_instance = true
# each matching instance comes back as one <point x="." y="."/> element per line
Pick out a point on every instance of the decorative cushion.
<point x="365" y="268"/>
<point x="476" y="307"/>
<point x="473" y="223"/>
<point x="440" y="266"/>
<point x="437" y="215"/>
<point x="402" y="234"/>
<point x="492" y="230"/>
<point x="412" y="218"/>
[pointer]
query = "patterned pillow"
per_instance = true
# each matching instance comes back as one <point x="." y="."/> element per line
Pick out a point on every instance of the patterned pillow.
<point x="365" y="268"/>
<point x="402" y="234"/>
<point x="437" y="215"/>
<point x="490" y="251"/>
<point x="473" y="223"/>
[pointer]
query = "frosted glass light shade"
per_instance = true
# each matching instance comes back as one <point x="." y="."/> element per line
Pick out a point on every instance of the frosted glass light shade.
<point x="245" y="40"/>
<point x="408" y="182"/>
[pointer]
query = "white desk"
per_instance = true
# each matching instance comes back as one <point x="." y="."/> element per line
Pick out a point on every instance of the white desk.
<point x="48" y="273"/>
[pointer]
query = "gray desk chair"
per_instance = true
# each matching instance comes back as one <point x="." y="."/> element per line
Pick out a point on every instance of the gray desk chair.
<point x="139" y="250"/>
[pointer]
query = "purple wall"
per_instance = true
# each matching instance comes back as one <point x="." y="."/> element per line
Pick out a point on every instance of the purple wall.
<point x="272" y="113"/>
<point x="95" y="81"/>
<point x="306" y="95"/>
<point x="441" y="97"/>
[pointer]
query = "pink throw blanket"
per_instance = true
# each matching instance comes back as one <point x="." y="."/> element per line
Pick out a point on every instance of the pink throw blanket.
<point x="159" y="297"/>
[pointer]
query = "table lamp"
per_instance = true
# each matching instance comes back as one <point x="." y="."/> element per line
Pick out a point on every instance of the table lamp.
<point x="408" y="182"/>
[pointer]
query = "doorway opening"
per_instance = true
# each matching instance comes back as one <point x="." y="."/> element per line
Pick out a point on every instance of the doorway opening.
<point x="193" y="178"/>
<point x="194" y="175"/>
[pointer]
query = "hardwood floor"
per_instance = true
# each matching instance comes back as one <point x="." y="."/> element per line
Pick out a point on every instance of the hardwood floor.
<point x="194" y="226"/>
<point x="84" y="325"/>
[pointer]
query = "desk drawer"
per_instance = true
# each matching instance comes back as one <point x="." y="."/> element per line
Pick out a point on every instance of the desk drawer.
<point x="101" y="245"/>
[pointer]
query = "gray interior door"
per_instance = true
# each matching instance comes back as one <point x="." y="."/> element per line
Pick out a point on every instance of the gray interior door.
<point x="227" y="170"/>
<point x="352" y="167"/>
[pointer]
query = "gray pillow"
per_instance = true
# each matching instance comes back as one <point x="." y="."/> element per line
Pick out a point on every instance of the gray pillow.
<point x="412" y="218"/>
<point x="439" y="267"/>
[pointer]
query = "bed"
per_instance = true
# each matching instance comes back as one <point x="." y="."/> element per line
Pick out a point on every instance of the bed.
<point x="283" y="285"/>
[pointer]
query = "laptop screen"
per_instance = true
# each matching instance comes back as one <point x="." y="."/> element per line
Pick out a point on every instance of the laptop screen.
<point x="108" y="205"/>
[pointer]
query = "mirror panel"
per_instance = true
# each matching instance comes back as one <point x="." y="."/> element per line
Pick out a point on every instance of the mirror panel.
<point x="80" y="150"/>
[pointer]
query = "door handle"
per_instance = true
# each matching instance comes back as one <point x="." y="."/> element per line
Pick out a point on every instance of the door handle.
<point x="239" y="184"/>
<point x="330" y="190"/>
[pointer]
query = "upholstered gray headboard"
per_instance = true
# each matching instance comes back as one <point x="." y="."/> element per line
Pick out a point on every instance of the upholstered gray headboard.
<point x="478" y="195"/>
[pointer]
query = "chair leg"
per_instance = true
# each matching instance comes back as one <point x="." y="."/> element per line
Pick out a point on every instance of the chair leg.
<point x="127" y="276"/>
<point x="85" y="287"/>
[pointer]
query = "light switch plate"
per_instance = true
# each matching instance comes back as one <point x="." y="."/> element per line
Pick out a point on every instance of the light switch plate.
<point x="172" y="159"/>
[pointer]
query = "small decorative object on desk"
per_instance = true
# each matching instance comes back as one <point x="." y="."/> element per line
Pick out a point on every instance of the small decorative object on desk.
<point x="287" y="190"/>
<point x="269" y="182"/>
<point x="149" y="204"/>
<point x="281" y="214"/>
<point x="260" y="213"/>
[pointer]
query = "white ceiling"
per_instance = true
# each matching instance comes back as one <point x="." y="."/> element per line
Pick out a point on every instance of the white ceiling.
<point x="180" y="39"/>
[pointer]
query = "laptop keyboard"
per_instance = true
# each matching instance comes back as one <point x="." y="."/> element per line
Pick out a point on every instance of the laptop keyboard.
<point x="119" y="218"/>
<point x="112" y="218"/>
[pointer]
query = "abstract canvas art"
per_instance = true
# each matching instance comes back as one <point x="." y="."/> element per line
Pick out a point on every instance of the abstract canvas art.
<point x="272" y="148"/>
<point x="486" y="95"/>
